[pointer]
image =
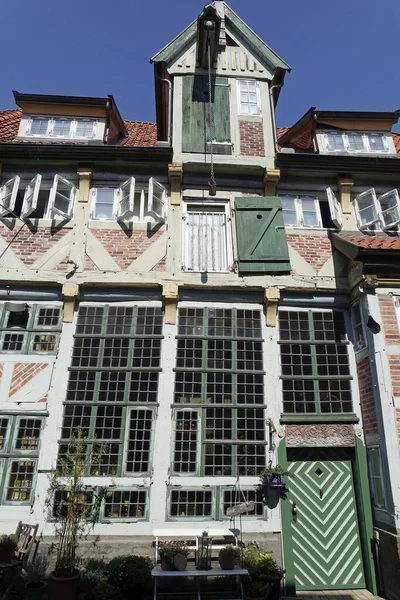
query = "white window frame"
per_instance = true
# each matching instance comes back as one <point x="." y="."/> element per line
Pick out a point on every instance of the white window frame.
<point x="156" y="196"/>
<point x="127" y="214"/>
<point x="379" y="218"/>
<point x="199" y="454"/>
<point x="358" y="324"/>
<point x="5" y="191"/>
<point x="365" y="137"/>
<point x="93" y="193"/>
<point x="223" y="204"/>
<point x="191" y="488"/>
<point x="299" y="210"/>
<point x="248" y="114"/>
<point x="335" y="208"/>
<point x="31" y="197"/>
<point x="52" y="210"/>
<point x="73" y="121"/>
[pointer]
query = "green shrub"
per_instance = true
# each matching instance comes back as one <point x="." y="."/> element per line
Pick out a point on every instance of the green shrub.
<point x="260" y="565"/>
<point x="130" y="573"/>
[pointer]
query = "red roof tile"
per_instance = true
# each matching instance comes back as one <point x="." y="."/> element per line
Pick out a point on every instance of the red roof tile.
<point x="139" y="133"/>
<point x="396" y="139"/>
<point x="9" y="123"/>
<point x="379" y="242"/>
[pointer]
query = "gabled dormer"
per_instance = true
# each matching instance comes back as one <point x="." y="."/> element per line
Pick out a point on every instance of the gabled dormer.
<point x="351" y="133"/>
<point x="217" y="84"/>
<point x="74" y="119"/>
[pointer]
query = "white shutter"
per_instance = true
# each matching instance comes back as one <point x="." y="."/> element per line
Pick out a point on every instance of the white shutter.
<point x="125" y="199"/>
<point x="335" y="208"/>
<point x="156" y="200"/>
<point x="390" y="209"/>
<point x="367" y="209"/>
<point x="31" y="197"/>
<point x="62" y="198"/>
<point x="8" y="195"/>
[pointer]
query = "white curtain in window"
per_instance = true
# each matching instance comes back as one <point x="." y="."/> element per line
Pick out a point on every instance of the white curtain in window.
<point x="207" y="241"/>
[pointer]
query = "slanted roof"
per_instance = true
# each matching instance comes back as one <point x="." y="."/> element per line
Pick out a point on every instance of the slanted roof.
<point x="255" y="44"/>
<point x="356" y="244"/>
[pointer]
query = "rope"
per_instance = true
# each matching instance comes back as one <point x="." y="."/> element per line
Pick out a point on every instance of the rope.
<point x="212" y="183"/>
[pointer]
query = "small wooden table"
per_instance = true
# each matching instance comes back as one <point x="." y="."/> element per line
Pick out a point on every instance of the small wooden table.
<point x="157" y="573"/>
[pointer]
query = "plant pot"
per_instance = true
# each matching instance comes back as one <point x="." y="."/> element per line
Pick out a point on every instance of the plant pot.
<point x="7" y="555"/>
<point x="65" y="588"/>
<point x="180" y="562"/>
<point x="227" y="563"/>
<point x="35" y="593"/>
<point x="167" y="564"/>
<point x="275" y="481"/>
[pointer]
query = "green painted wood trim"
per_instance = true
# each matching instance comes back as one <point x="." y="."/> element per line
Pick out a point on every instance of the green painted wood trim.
<point x="287" y="549"/>
<point x="336" y="418"/>
<point x="363" y="501"/>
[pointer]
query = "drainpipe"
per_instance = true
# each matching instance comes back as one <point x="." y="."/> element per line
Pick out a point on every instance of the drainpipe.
<point x="278" y="85"/>
<point x="169" y="128"/>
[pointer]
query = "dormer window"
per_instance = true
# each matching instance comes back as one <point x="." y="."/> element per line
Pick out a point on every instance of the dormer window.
<point x="366" y="143"/>
<point x="249" y="97"/>
<point x="61" y="127"/>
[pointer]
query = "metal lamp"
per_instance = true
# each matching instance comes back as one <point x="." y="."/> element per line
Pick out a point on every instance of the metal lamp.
<point x="203" y="556"/>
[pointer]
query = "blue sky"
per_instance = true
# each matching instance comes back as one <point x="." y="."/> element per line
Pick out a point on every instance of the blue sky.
<point x="343" y="53"/>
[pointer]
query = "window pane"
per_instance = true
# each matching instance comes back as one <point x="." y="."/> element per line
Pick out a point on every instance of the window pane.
<point x="390" y="208"/>
<point x="3" y="432"/>
<point x="206" y="241"/>
<point x="125" y="504"/>
<point x="20" y="482"/>
<point x="185" y="446"/>
<point x="193" y="503"/>
<point x="356" y="142"/>
<point x="335" y="141"/>
<point x="104" y="208"/>
<point x="232" y="498"/>
<point x="376" y="143"/>
<point x="62" y="127"/>
<point x="39" y="126"/>
<point x="28" y="434"/>
<point x="138" y="455"/>
<point x="84" y="129"/>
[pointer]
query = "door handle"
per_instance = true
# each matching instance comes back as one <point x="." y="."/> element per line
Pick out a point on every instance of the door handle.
<point x="294" y="509"/>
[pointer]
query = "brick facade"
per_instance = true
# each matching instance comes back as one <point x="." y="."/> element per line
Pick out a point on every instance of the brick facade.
<point x="367" y="401"/>
<point x="23" y="373"/>
<point x="389" y="320"/>
<point x="251" y="138"/>
<point x="125" y="246"/>
<point x="29" y="245"/>
<point x="315" y="249"/>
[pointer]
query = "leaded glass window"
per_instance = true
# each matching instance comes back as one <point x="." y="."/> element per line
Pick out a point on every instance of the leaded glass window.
<point x="113" y="387"/>
<point x="219" y="393"/>
<point x="315" y="366"/>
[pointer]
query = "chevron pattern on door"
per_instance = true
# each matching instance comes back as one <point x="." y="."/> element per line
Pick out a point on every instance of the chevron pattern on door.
<point x="325" y="536"/>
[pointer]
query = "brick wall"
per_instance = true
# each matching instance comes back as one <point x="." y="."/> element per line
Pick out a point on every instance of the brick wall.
<point x="251" y="138"/>
<point x="366" y="396"/>
<point x="315" y="249"/>
<point x="389" y="320"/>
<point x="123" y="246"/>
<point x="29" y="245"/>
<point x="23" y="373"/>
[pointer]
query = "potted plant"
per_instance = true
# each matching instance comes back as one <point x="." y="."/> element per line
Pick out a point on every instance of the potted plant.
<point x="273" y="476"/>
<point x="173" y="555"/>
<point x="75" y="517"/>
<point x="35" y="586"/>
<point x="8" y="545"/>
<point x="263" y="569"/>
<point x="131" y="575"/>
<point x="228" y="557"/>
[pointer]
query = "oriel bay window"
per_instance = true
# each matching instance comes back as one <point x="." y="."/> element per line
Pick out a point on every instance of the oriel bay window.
<point x="19" y="452"/>
<point x="219" y="411"/>
<point x="113" y="386"/>
<point x="315" y="366"/>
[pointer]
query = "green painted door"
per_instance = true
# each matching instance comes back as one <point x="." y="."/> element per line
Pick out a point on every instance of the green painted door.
<point x="324" y="530"/>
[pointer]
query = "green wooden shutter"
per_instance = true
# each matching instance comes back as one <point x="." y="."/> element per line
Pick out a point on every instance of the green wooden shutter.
<point x="261" y="236"/>
<point x="196" y="117"/>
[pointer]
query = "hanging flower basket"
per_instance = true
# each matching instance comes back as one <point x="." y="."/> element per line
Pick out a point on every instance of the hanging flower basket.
<point x="275" y="481"/>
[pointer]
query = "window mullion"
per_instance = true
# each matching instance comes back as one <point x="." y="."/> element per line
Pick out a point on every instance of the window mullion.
<point x="299" y="212"/>
<point x="123" y="442"/>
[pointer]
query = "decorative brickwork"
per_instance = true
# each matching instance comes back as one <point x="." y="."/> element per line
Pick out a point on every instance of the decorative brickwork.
<point x="123" y="246"/>
<point x="315" y="249"/>
<point x="23" y="373"/>
<point x="1" y="371"/>
<point x="394" y="362"/>
<point x="389" y="320"/>
<point x="251" y="138"/>
<point x="29" y="245"/>
<point x="366" y="396"/>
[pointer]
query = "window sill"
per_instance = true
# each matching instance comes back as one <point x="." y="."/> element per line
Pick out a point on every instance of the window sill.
<point x="325" y="418"/>
<point x="251" y="118"/>
<point x="114" y="224"/>
<point x="40" y="223"/>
